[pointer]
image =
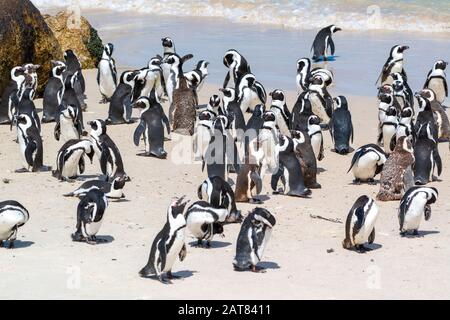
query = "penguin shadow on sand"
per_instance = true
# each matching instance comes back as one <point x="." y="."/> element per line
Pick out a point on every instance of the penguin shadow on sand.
<point x="19" y="244"/>
<point x="214" y="245"/>
<point x="99" y="240"/>
<point x="268" y="265"/>
<point x="369" y="247"/>
<point x="420" y="234"/>
<point x="369" y="183"/>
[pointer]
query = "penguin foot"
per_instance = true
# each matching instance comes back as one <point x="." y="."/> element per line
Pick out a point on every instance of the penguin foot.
<point x="357" y="182"/>
<point x="304" y="194"/>
<point x="255" y="201"/>
<point x="363" y="249"/>
<point x="257" y="269"/>
<point x="415" y="232"/>
<point x="11" y="244"/>
<point x="371" y="182"/>
<point x="22" y="170"/>
<point x="315" y="186"/>
<point x="77" y="237"/>
<point x="403" y="234"/>
<point x="164" y="280"/>
<point x="171" y="276"/>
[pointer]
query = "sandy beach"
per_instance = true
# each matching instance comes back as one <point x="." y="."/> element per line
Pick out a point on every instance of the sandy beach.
<point x="305" y="258"/>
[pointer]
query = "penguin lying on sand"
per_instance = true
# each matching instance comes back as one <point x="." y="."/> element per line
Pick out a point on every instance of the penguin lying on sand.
<point x="13" y="215"/>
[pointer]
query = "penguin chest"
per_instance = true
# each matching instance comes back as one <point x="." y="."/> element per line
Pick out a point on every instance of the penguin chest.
<point x="68" y="130"/>
<point x="437" y="85"/>
<point x="316" y="141"/>
<point x="413" y="215"/>
<point x="388" y="132"/>
<point x="265" y="239"/>
<point x="397" y="67"/>
<point x="366" y="166"/>
<point x="70" y="168"/>
<point x="174" y="250"/>
<point x="22" y="148"/>
<point x="369" y="223"/>
<point x="203" y="137"/>
<point x="91" y="229"/>
<point x="107" y="85"/>
<point x="8" y="220"/>
<point x="246" y="101"/>
<point x="318" y="107"/>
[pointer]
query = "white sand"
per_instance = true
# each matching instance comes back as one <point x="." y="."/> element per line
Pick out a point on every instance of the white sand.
<point x="47" y="264"/>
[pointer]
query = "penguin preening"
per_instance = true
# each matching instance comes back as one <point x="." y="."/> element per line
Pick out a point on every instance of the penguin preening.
<point x="237" y="67"/>
<point x="393" y="64"/>
<point x="305" y="74"/>
<point x="367" y="162"/>
<point x="70" y="159"/>
<point x="437" y="81"/>
<point x="168" y="244"/>
<point x="107" y="73"/>
<point x="360" y="224"/>
<point x="12" y="94"/>
<point x="54" y="92"/>
<point x="13" y="215"/>
<point x="252" y="240"/>
<point x="324" y="42"/>
<point x="415" y="203"/>
<point x="249" y="93"/>
<point x="112" y="190"/>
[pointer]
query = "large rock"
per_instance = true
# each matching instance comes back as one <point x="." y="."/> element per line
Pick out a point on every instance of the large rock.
<point x="25" y="37"/>
<point x="79" y="36"/>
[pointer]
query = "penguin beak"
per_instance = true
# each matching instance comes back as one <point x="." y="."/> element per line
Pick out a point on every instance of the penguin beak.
<point x="405" y="48"/>
<point x="337" y="29"/>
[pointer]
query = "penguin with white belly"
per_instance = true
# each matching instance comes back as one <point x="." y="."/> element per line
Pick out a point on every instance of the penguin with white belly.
<point x="107" y="74"/>
<point x="253" y="239"/>
<point x="388" y="130"/>
<point x="203" y="134"/>
<point x="393" y="65"/>
<point x="281" y="111"/>
<point x="415" y="204"/>
<point x="70" y="159"/>
<point x="360" y="224"/>
<point x="27" y="106"/>
<point x="70" y="96"/>
<point x="90" y="216"/>
<point x="437" y="81"/>
<point x="168" y="245"/>
<point x="367" y="162"/>
<point x="13" y="215"/>
<point x="237" y="67"/>
<point x="68" y="127"/>
<point x="427" y="157"/>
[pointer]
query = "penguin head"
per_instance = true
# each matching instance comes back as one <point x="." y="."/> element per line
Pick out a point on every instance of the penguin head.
<point x="221" y="123"/>
<point x="167" y="43"/>
<point x="130" y="77"/>
<point x="440" y="64"/>
<point x="248" y="80"/>
<point x="155" y="62"/>
<point x="404" y="144"/>
<point x="313" y="121"/>
<point x="386" y="94"/>
<point x="58" y="68"/>
<point x="334" y="29"/>
<point x="340" y="103"/>
<point x="269" y="118"/>
<point x="18" y="74"/>
<point x="23" y="121"/>
<point x="214" y="101"/>
<point x="229" y="57"/>
<point x="407" y="113"/>
<point x="261" y="215"/>
<point x="119" y="182"/>
<point x="202" y="65"/>
<point x="108" y="49"/>
<point x="278" y="97"/>
<point x="298" y="136"/>
<point x="205" y="116"/>
<point x="428" y="94"/>
<point x="176" y="209"/>
<point x="229" y="94"/>
<point x="284" y="142"/>
<point x="142" y="103"/>
<point x="98" y="127"/>
<point x="391" y="112"/>
<point x="424" y="101"/>
<point x="259" y="110"/>
<point x="398" y="86"/>
<point x="397" y="51"/>
<point x="70" y="56"/>
<point x="31" y="68"/>
<point x="317" y="81"/>
<point x="70" y="112"/>
<point x="175" y="61"/>
<point x="303" y="64"/>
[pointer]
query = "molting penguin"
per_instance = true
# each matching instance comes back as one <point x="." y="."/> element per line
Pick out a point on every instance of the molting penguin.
<point x="360" y="224"/>
<point x="237" y="67"/>
<point x="252" y="240"/>
<point x="281" y="111"/>
<point x="13" y="215"/>
<point x="305" y="154"/>
<point x="106" y="150"/>
<point x="437" y="81"/>
<point x="321" y="100"/>
<point x="90" y="213"/>
<point x="69" y="126"/>
<point x="151" y="127"/>
<point x="393" y="64"/>
<point x="54" y="92"/>
<point x="70" y="159"/>
<point x="415" y="203"/>
<point x="367" y="162"/>
<point x="107" y="74"/>
<point x="168" y="244"/>
<point x="324" y="42"/>
<point x="396" y="171"/>
<point x="196" y="78"/>
<point x="113" y="190"/>
<point x="427" y="156"/>
<point x="13" y="94"/>
<point x="341" y="127"/>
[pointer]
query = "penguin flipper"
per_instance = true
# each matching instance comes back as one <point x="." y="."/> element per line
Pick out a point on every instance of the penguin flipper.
<point x="372" y="236"/>
<point x="355" y="158"/>
<point x="162" y="248"/>
<point x="57" y="131"/>
<point x="104" y="158"/>
<point x="393" y="142"/>
<point x="359" y="213"/>
<point x="437" y="160"/>
<point x="30" y="149"/>
<point x="138" y="133"/>
<point x="332" y="48"/>
<point x="81" y="165"/>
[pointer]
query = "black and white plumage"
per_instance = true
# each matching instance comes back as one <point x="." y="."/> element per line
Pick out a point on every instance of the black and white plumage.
<point x="237" y="67"/>
<point x="12" y="94"/>
<point x="388" y="130"/>
<point x="437" y="81"/>
<point x="367" y="162"/>
<point x="253" y="239"/>
<point x="69" y="126"/>
<point x="402" y="83"/>
<point x="202" y="135"/>
<point x="30" y="144"/>
<point x="316" y="136"/>
<point x="415" y="204"/>
<point x="13" y="215"/>
<point x="196" y="78"/>
<point x="280" y="110"/>
<point x="168" y="244"/>
<point x="426" y="116"/>
<point x="213" y="107"/>
<point x="169" y="48"/>
<point x="320" y="98"/>
<point x="360" y="224"/>
<point x="31" y="70"/>
<point x="71" y="95"/>
<point x="150" y="79"/>
<point x="393" y="64"/>
<point x="107" y="73"/>
<point x="341" y="126"/>
<point x="106" y="150"/>
<point x="305" y="74"/>
<point x="74" y="67"/>
<point x="427" y="158"/>
<point x="26" y="106"/>
<point x="323" y="44"/>
<point x="219" y="194"/>
<point x="70" y="159"/>
<point x="54" y="92"/>
<point x="90" y="214"/>
<point x="405" y="126"/>
<point x="112" y="190"/>
<point x="249" y="93"/>
<point x="231" y="108"/>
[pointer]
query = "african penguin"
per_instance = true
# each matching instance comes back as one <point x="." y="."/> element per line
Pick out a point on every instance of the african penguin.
<point x="203" y="134"/>
<point x="341" y="126"/>
<point x="74" y="67"/>
<point x="31" y="70"/>
<point x="249" y="93"/>
<point x="281" y="111"/>
<point x="113" y="190"/>
<point x="305" y="154"/>
<point x="324" y="42"/>
<point x="12" y="94"/>
<point x="54" y="92"/>
<point x="232" y="109"/>
<point x="367" y="162"/>
<point x="196" y="78"/>
<point x="427" y="158"/>
<point x="68" y="127"/>
<point x="13" y="215"/>
<point x="70" y="159"/>
<point x="305" y="74"/>
<point x="107" y="73"/>
<point x="237" y="67"/>
<point x="393" y="64"/>
<point x="321" y="100"/>
<point x="437" y="81"/>
<point x="388" y="130"/>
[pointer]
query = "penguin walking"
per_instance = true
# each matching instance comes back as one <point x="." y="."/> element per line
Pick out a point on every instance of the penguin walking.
<point x="324" y="42"/>
<point x="427" y="158"/>
<point x="151" y="126"/>
<point x="69" y="126"/>
<point x="280" y="110"/>
<point x="90" y="215"/>
<point x="30" y="145"/>
<point x="388" y="130"/>
<point x="393" y="65"/>
<point x="13" y="215"/>
<point x="106" y="150"/>
<point x="237" y="67"/>
<point x="70" y="159"/>
<point x="168" y="244"/>
<point x="367" y="162"/>
<point x="54" y="92"/>
<point x="437" y="80"/>
<point x="12" y="94"/>
<point x="196" y="78"/>
<point x="341" y="126"/>
<point x="415" y="204"/>
<point x="107" y="73"/>
<point x="360" y="224"/>
<point x="253" y="239"/>
<point x="113" y="190"/>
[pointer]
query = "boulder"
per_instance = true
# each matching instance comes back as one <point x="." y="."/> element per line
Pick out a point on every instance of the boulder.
<point x="78" y="35"/>
<point x="25" y="37"/>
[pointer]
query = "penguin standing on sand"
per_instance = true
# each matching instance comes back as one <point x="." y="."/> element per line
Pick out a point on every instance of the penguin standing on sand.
<point x="151" y="126"/>
<point x="360" y="224"/>
<point x="74" y="67"/>
<point x="26" y="106"/>
<point x="70" y="96"/>
<point x="427" y="156"/>
<point x="70" y="159"/>
<point x="13" y="215"/>
<point x="168" y="48"/>
<point x="415" y="203"/>
<point x="324" y="42"/>
<point x="237" y="67"/>
<point x="106" y="150"/>
<point x="393" y="64"/>
<point x="107" y="74"/>
<point x="388" y="130"/>
<point x="437" y="81"/>
<point x="196" y="78"/>
<point x="68" y="127"/>
<point x="321" y="100"/>
<point x="113" y="190"/>
<point x="426" y="116"/>
<point x="54" y="92"/>
<point x="13" y="94"/>
<point x="90" y="214"/>
<point x="367" y="162"/>
<point x="341" y="127"/>
<point x="203" y="134"/>
<point x="316" y="136"/>
<point x="252" y="240"/>
<point x="219" y="194"/>
<point x="168" y="244"/>
<point x="280" y="110"/>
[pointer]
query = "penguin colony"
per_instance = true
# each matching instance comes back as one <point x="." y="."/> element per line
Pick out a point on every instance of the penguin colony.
<point x="284" y="143"/>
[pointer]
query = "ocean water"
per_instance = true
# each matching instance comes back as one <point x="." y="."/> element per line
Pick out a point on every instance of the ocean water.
<point x="410" y="15"/>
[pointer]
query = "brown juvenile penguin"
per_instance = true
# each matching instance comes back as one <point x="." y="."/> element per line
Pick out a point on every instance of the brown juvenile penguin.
<point x="395" y="170"/>
<point x="182" y="112"/>
<point x="305" y="154"/>
<point x="249" y="183"/>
